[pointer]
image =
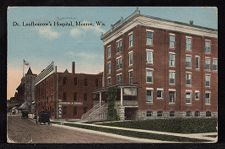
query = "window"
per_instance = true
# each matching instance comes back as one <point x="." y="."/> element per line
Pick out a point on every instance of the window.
<point x="159" y="93"/>
<point x="85" y="96"/>
<point x="188" y="79"/>
<point x="109" y="81"/>
<point x="64" y="96"/>
<point x="197" y="95"/>
<point x="149" y="56"/>
<point x="188" y="113"/>
<point x="149" y="38"/>
<point x="119" y="45"/>
<point x="75" y="81"/>
<point x="208" y="114"/>
<point x="119" y="63"/>
<point x="215" y="64"/>
<point x="172" y="57"/>
<point x="197" y="62"/>
<point x="188" y="63"/>
<point x="172" y="75"/>
<point x="207" y="80"/>
<point x="207" y="64"/>
<point x="149" y="113"/>
<point x="96" y="82"/>
<point x="172" y="113"/>
<point x="188" y="98"/>
<point x="188" y="43"/>
<point x="119" y="79"/>
<point x="149" y="95"/>
<point x="149" y="76"/>
<point x="130" y="58"/>
<point x="172" y="97"/>
<point x="131" y="39"/>
<point x="207" y="98"/>
<point x="64" y="80"/>
<point x="109" y="68"/>
<point x="64" y="110"/>
<point x="85" y="82"/>
<point x="207" y="46"/>
<point x="75" y="96"/>
<point x="197" y="113"/>
<point x="172" y="41"/>
<point x="159" y="113"/>
<point x="130" y="76"/>
<point x="109" y="52"/>
<point x="74" y="110"/>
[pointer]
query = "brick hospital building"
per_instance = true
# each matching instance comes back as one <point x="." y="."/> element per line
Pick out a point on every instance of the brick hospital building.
<point x="161" y="68"/>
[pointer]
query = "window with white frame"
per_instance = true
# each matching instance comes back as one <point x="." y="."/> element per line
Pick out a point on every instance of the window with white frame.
<point x="131" y="39"/>
<point x="207" y="46"/>
<point x="207" y="98"/>
<point x="171" y="41"/>
<point x="172" y="57"/>
<point x="207" y="80"/>
<point x="207" y="63"/>
<point x="197" y="62"/>
<point x="172" y="76"/>
<point x="197" y="95"/>
<point x="149" y="56"/>
<point x="149" y="95"/>
<point x="172" y="97"/>
<point x="119" y="79"/>
<point x="188" y="43"/>
<point x="149" y="38"/>
<point x="108" y="51"/>
<point x="109" y="82"/>
<point x="149" y="76"/>
<point x="119" y="63"/>
<point x="109" y="67"/>
<point x="130" y="58"/>
<point x="188" y="97"/>
<point x="188" y="78"/>
<point x="188" y="61"/>
<point x="130" y="76"/>
<point x="215" y="64"/>
<point x="159" y="93"/>
<point x="119" y="45"/>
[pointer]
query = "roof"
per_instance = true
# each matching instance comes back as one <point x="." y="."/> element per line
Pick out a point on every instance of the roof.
<point x="137" y="13"/>
<point x="29" y="72"/>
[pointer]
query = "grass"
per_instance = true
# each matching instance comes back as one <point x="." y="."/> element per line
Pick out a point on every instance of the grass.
<point x="191" y="125"/>
<point x="138" y="134"/>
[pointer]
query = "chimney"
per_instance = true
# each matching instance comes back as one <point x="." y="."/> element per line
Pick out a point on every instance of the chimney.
<point x="73" y="67"/>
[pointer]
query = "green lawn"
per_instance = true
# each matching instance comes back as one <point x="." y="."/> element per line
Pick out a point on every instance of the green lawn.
<point x="191" y="125"/>
<point x="138" y="134"/>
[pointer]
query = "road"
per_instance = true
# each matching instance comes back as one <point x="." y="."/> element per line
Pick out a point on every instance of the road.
<point x="26" y="131"/>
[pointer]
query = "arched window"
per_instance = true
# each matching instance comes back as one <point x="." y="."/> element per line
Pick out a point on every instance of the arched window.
<point x="208" y="114"/>
<point x="197" y="113"/>
<point x="172" y="113"/>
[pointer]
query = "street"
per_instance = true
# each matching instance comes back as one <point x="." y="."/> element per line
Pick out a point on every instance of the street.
<point x="26" y="131"/>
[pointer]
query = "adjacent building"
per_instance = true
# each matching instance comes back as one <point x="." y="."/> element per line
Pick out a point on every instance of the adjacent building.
<point x="161" y="68"/>
<point x="66" y="95"/>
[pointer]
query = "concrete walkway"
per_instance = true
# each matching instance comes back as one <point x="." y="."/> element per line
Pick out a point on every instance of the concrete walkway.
<point x="200" y="136"/>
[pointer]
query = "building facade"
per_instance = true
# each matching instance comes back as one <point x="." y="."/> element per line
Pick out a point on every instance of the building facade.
<point x="65" y="95"/>
<point x="171" y="66"/>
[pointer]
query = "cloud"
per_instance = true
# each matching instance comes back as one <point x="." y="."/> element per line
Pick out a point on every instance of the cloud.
<point x="47" y="32"/>
<point x="78" y="31"/>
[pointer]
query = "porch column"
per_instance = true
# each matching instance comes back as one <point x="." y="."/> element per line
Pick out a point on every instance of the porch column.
<point x="100" y="98"/>
<point x="121" y="96"/>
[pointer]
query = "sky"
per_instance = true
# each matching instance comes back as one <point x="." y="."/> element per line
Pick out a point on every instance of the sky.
<point x="41" y="45"/>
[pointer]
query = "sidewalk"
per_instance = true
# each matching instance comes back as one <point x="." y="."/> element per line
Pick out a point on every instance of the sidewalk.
<point x="200" y="136"/>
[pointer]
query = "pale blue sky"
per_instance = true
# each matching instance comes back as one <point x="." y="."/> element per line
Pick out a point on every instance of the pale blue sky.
<point x="40" y="46"/>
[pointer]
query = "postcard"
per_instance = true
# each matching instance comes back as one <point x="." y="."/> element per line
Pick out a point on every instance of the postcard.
<point x="112" y="75"/>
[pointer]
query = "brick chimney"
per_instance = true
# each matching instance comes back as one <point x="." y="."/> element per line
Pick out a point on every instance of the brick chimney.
<point x="73" y="67"/>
